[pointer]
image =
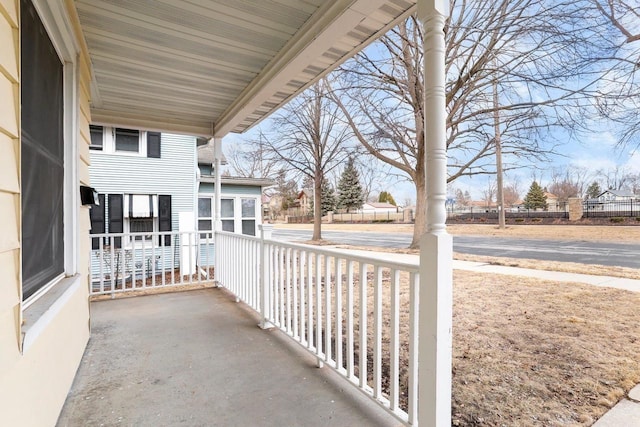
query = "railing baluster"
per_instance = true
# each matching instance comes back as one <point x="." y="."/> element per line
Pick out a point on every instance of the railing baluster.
<point x="394" y="358"/>
<point x="327" y="309"/>
<point x="377" y="324"/>
<point x="310" y="342"/>
<point x="288" y="289"/>
<point x="294" y="284"/>
<point x="414" y="296"/>
<point x="350" y="326"/>
<point x="362" y="351"/>
<point x="338" y="311"/>
<point x="303" y="337"/>
<point x="318" y="339"/>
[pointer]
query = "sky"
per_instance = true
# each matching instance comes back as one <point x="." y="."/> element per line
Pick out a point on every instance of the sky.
<point x="595" y="151"/>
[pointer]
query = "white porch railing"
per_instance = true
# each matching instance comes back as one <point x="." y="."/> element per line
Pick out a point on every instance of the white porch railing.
<point x="125" y="262"/>
<point x="316" y="296"/>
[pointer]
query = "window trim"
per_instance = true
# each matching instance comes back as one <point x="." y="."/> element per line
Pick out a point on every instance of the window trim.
<point x="39" y="309"/>
<point x="237" y="211"/>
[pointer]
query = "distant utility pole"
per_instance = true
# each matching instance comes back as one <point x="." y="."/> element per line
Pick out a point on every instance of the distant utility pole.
<point x="496" y="138"/>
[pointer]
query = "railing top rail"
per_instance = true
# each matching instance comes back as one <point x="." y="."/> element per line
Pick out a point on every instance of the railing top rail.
<point x="376" y="258"/>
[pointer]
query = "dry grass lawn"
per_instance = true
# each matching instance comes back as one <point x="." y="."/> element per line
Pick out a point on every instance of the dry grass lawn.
<point x="620" y="234"/>
<point x="538" y="353"/>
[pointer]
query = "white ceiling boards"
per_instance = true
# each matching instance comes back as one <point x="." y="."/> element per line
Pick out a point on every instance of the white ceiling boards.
<point x="210" y="67"/>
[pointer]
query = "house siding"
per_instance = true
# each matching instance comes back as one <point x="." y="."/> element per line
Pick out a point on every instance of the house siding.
<point x="34" y="380"/>
<point x="239" y="190"/>
<point x="172" y="174"/>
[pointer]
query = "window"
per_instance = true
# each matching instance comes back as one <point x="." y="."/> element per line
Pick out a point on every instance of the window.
<point x="127" y="140"/>
<point x="153" y="144"/>
<point x="129" y="213"/>
<point x="42" y="155"/>
<point x="205" y="216"/>
<point x="237" y="214"/>
<point x="97" y="137"/>
<point x="248" y="216"/>
<point x="227" y="215"/>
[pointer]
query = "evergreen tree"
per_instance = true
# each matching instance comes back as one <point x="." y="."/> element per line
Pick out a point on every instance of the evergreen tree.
<point x="327" y="197"/>
<point x="535" y="198"/>
<point x="593" y="191"/>
<point x="386" y="197"/>
<point x="350" y="194"/>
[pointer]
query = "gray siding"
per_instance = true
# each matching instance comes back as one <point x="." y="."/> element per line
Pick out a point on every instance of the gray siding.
<point x="173" y="173"/>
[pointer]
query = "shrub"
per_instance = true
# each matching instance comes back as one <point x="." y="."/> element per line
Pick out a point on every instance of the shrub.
<point x="536" y="219"/>
<point x="616" y="219"/>
<point x="519" y="219"/>
<point x="638" y="218"/>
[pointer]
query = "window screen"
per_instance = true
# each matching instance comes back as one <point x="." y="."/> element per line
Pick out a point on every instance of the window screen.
<point x="127" y="140"/>
<point x="96" y="137"/>
<point x="42" y="154"/>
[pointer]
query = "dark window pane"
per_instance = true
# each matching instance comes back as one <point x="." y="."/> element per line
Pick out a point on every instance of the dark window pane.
<point x="96" y="137"/>
<point x="141" y="225"/>
<point x="127" y="140"/>
<point x="204" y="224"/>
<point x="42" y="155"/>
<point x="204" y="207"/>
<point x="227" y="225"/>
<point x="226" y="207"/>
<point x="164" y="218"/>
<point x="153" y="144"/>
<point x="249" y="227"/>
<point x="248" y="208"/>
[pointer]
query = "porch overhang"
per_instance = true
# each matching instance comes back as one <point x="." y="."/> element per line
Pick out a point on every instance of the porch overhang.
<point x="208" y="68"/>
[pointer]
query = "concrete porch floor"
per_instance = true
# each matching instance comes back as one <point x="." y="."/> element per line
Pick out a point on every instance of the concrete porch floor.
<point x="197" y="358"/>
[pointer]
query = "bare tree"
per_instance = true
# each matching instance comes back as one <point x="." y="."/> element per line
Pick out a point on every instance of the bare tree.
<point x="618" y="98"/>
<point x="511" y="194"/>
<point x="563" y="185"/>
<point x="308" y="136"/>
<point x="250" y="159"/>
<point x="516" y="45"/>
<point x="489" y="193"/>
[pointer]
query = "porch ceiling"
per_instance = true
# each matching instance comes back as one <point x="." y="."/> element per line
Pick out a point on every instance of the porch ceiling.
<point x="210" y="67"/>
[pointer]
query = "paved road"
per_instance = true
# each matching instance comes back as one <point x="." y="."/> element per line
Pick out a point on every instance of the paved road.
<point x="612" y="254"/>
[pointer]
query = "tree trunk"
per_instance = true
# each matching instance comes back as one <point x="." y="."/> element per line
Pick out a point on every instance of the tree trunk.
<point x="420" y="219"/>
<point x="317" y="206"/>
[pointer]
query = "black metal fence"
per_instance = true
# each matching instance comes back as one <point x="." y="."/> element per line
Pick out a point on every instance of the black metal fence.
<point x="590" y="209"/>
<point x="617" y="208"/>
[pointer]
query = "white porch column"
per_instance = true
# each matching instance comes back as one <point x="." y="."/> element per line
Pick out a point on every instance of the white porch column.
<point x="217" y="149"/>
<point x="436" y="294"/>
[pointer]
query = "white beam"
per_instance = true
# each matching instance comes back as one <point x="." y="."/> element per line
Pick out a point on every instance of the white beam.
<point x="217" y="150"/>
<point x="436" y="253"/>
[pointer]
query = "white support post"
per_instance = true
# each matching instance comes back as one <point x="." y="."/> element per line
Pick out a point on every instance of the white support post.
<point x="265" y="234"/>
<point x="217" y="149"/>
<point x="436" y="294"/>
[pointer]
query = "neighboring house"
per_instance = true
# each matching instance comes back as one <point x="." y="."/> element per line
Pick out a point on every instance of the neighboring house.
<point x="377" y="207"/>
<point x="304" y="200"/>
<point x="616" y="196"/>
<point x="553" y="204"/>
<point x="241" y="198"/>
<point x="144" y="179"/>
<point x="614" y="201"/>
